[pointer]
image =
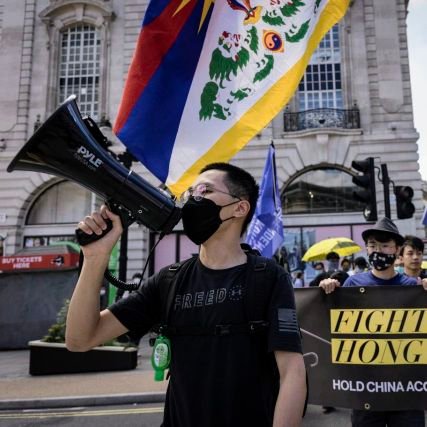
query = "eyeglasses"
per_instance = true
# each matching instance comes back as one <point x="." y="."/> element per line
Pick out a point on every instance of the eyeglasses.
<point x="380" y="246"/>
<point x="199" y="192"/>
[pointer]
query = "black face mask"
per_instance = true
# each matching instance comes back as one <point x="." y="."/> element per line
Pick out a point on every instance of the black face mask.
<point x="201" y="219"/>
<point x="380" y="261"/>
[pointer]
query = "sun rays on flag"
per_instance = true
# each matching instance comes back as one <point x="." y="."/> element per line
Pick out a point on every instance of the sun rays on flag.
<point x="206" y="6"/>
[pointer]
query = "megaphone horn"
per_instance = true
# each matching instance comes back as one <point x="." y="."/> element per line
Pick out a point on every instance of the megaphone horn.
<point x="67" y="147"/>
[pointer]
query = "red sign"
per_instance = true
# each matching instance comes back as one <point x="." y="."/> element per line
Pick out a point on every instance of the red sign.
<point x="38" y="262"/>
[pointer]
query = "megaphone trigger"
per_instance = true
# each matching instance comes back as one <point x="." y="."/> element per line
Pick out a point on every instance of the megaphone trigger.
<point x="84" y="239"/>
<point x="124" y="214"/>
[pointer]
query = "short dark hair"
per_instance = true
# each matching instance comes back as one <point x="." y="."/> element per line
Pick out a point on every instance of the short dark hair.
<point x="240" y="183"/>
<point x="317" y="264"/>
<point x="414" y="242"/>
<point x="332" y="255"/>
<point x="361" y="262"/>
<point x="345" y="260"/>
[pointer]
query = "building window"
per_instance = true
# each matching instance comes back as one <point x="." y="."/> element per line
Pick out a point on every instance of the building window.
<point x="79" y="67"/>
<point x="320" y="191"/>
<point x="321" y="85"/>
<point x="63" y="203"/>
<point x="45" y="240"/>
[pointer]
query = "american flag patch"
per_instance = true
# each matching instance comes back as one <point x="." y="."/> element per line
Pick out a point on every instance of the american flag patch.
<point x="288" y="320"/>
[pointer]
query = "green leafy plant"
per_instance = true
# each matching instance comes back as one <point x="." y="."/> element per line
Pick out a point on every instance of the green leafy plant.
<point x="56" y="333"/>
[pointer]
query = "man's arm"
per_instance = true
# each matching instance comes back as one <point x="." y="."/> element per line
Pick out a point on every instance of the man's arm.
<point x="86" y="326"/>
<point x="290" y="401"/>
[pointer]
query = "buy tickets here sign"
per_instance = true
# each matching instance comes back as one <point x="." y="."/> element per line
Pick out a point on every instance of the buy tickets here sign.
<point x="38" y="262"/>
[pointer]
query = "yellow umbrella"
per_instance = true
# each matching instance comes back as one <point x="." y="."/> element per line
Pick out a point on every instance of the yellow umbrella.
<point x="424" y="265"/>
<point x="341" y="245"/>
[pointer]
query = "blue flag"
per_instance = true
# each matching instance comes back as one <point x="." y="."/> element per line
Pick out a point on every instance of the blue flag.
<point x="265" y="231"/>
<point x="424" y="218"/>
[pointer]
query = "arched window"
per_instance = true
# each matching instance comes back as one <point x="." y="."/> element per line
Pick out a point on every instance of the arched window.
<point x="62" y="203"/>
<point x="325" y="190"/>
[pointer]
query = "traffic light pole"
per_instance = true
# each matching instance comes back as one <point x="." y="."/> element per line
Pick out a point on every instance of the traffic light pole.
<point x="386" y="186"/>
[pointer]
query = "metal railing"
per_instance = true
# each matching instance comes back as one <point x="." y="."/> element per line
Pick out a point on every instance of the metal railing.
<point x="322" y="118"/>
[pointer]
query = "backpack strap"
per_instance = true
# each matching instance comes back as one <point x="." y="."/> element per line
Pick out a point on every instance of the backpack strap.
<point x="260" y="277"/>
<point x="169" y="280"/>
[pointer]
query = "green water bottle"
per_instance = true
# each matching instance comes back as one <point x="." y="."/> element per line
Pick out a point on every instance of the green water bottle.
<point x="161" y="357"/>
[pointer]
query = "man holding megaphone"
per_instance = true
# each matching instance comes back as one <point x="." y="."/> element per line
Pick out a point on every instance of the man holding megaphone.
<point x="226" y="319"/>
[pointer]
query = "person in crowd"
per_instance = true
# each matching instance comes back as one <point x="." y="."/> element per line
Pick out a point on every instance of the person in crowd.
<point x="346" y="266"/>
<point x="360" y="265"/>
<point x="411" y="257"/>
<point x="333" y="262"/>
<point x="281" y="257"/>
<point x="320" y="274"/>
<point x="398" y="266"/>
<point x="298" y="280"/>
<point x="383" y="244"/>
<point x="232" y="372"/>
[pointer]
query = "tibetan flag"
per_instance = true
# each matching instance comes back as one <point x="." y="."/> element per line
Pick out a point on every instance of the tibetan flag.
<point x="265" y="231"/>
<point x="208" y="75"/>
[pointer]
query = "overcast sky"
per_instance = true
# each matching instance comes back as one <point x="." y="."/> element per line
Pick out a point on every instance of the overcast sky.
<point x="417" y="41"/>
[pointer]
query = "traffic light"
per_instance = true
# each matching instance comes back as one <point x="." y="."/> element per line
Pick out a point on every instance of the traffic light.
<point x="404" y="206"/>
<point x="367" y="194"/>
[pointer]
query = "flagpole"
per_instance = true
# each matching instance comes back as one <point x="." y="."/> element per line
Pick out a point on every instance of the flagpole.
<point x="274" y="174"/>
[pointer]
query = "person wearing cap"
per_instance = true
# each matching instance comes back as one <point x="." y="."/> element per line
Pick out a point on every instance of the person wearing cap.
<point x="383" y="243"/>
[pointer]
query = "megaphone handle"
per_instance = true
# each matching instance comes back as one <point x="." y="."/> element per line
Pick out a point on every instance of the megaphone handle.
<point x="84" y="239"/>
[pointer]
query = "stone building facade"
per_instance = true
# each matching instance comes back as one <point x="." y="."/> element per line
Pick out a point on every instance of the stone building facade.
<point x="354" y="102"/>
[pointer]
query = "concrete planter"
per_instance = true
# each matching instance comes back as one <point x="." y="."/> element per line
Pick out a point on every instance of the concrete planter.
<point x="53" y="358"/>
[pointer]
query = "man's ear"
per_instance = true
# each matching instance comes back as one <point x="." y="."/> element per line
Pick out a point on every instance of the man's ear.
<point x="242" y="208"/>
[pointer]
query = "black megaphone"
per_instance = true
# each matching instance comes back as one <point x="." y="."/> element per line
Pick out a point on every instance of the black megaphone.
<point x="68" y="146"/>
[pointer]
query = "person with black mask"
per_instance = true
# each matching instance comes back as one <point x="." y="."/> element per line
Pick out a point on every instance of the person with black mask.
<point x="383" y="243"/>
<point x="224" y="370"/>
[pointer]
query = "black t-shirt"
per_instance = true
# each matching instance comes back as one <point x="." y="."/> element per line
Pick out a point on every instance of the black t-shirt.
<point x="218" y="381"/>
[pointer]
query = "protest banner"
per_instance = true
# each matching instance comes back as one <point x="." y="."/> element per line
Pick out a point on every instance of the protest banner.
<point x="365" y="347"/>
